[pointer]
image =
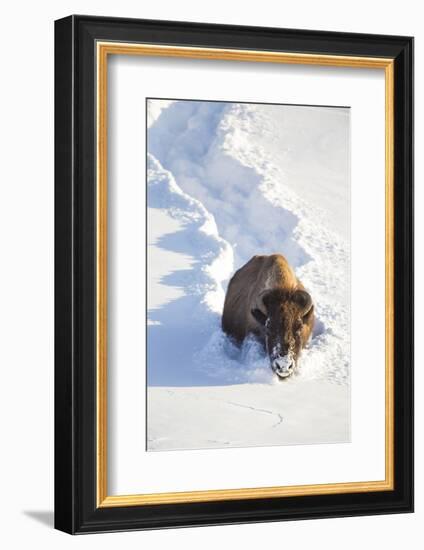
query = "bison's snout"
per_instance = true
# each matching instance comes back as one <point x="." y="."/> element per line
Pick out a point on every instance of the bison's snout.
<point x="283" y="366"/>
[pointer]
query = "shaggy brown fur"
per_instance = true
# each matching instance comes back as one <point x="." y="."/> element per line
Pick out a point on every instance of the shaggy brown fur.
<point x="264" y="297"/>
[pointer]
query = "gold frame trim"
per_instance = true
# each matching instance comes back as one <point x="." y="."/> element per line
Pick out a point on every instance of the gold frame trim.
<point x="119" y="48"/>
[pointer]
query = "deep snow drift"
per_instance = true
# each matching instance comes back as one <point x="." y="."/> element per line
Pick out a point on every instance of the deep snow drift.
<point x="226" y="182"/>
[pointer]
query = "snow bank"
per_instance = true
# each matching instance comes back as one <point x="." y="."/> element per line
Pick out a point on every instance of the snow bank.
<point x="178" y="329"/>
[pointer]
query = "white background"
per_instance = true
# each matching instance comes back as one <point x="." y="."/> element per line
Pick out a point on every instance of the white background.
<point x="26" y="286"/>
<point x="131" y="80"/>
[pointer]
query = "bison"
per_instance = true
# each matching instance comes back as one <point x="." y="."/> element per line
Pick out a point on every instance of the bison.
<point x="265" y="298"/>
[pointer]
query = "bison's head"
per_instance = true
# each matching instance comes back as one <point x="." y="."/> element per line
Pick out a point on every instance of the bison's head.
<point x="284" y="317"/>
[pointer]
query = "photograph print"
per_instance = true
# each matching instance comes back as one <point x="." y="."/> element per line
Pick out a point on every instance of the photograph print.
<point x="248" y="274"/>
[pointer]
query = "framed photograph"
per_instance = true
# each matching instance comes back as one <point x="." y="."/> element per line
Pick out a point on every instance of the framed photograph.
<point x="234" y="274"/>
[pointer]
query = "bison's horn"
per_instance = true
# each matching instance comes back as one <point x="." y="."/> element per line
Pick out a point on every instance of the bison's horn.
<point x="260" y="302"/>
<point x="303" y="300"/>
<point x="259" y="310"/>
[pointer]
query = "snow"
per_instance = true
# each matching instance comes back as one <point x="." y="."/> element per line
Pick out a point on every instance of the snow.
<point x="227" y="181"/>
<point x="247" y="415"/>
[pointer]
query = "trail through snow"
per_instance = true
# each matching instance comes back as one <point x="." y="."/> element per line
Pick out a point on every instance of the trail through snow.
<point x="225" y="182"/>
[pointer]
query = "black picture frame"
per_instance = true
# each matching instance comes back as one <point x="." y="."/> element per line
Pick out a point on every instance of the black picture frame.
<point x="76" y="509"/>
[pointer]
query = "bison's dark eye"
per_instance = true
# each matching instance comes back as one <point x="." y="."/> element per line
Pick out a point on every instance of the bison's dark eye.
<point x="297" y="326"/>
